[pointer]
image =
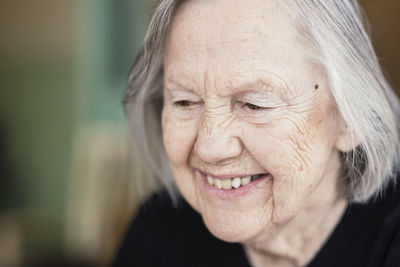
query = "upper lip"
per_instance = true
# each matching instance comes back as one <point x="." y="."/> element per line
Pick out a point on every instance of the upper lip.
<point x="228" y="176"/>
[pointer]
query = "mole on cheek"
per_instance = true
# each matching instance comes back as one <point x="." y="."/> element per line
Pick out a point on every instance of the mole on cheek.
<point x="316" y="87"/>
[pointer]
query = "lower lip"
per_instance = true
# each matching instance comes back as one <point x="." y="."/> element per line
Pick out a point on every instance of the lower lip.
<point x="234" y="193"/>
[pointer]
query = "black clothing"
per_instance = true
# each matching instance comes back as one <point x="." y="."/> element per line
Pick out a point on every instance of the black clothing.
<point x="367" y="235"/>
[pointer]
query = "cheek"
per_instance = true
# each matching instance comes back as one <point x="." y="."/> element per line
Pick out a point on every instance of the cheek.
<point x="178" y="138"/>
<point x="300" y="144"/>
<point x="296" y="151"/>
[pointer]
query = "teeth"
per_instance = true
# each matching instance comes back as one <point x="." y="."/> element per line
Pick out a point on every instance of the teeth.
<point x="236" y="183"/>
<point x="246" y="180"/>
<point x="228" y="184"/>
<point x="218" y="183"/>
<point x="210" y="180"/>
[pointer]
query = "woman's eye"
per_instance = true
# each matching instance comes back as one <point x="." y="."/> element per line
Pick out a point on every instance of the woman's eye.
<point x="252" y="106"/>
<point x="183" y="103"/>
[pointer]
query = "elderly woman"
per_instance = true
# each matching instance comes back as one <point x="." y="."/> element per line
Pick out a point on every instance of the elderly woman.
<point x="273" y="121"/>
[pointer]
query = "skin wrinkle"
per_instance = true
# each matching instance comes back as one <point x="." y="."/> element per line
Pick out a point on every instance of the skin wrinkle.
<point x="301" y="144"/>
<point x="222" y="126"/>
<point x="294" y="141"/>
<point x="266" y="78"/>
<point x="219" y="111"/>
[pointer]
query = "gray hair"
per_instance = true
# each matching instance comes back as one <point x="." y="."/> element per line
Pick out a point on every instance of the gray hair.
<point x="365" y="100"/>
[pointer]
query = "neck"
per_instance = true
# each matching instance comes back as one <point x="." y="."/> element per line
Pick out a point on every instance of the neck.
<point x="299" y="240"/>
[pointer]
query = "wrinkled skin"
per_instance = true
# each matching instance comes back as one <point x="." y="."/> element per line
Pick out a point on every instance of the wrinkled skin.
<point x="241" y="96"/>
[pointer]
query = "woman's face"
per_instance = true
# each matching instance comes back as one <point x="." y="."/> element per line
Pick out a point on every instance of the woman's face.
<point x="242" y="101"/>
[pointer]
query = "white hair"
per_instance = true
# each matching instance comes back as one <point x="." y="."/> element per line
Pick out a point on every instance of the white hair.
<point x="335" y="32"/>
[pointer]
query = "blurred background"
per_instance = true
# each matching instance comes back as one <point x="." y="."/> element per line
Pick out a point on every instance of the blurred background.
<point x="66" y="196"/>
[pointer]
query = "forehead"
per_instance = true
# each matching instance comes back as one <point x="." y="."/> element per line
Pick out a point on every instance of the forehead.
<point x="225" y="39"/>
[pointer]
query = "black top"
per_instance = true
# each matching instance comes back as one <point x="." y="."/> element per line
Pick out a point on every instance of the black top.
<point x="367" y="235"/>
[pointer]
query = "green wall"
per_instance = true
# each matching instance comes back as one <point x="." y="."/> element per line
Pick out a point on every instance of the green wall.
<point x="63" y="67"/>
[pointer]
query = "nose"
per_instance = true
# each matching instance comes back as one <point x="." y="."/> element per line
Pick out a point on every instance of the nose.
<point x="216" y="143"/>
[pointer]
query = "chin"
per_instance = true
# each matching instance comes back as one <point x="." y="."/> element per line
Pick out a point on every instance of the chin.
<point x="234" y="227"/>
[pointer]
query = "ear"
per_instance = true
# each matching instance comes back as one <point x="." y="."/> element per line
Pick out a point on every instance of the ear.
<point x="346" y="140"/>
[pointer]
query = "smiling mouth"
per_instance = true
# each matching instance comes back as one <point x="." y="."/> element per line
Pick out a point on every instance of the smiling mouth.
<point x="233" y="183"/>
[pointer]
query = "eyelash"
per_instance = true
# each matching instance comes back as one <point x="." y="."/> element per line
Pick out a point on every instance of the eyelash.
<point x="251" y="106"/>
<point x="246" y="105"/>
<point x="184" y="103"/>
